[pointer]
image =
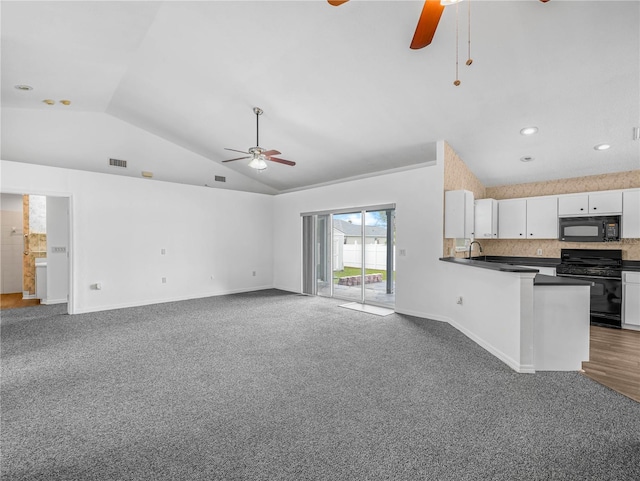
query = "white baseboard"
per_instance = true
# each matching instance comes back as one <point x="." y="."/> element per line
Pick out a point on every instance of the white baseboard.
<point x="84" y="310"/>
<point x="508" y="360"/>
<point x="52" y="301"/>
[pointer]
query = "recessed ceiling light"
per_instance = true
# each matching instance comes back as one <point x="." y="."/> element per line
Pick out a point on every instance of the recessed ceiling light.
<point x="602" y="147"/>
<point x="529" y="130"/>
<point x="24" y="87"/>
<point x="526" y="158"/>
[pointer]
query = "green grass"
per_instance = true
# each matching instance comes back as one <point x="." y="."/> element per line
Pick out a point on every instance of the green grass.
<point x="356" y="271"/>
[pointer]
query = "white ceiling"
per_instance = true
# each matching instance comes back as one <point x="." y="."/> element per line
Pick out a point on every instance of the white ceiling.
<point x="169" y="85"/>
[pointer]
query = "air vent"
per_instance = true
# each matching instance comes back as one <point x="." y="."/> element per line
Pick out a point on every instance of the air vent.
<point x="220" y="178"/>
<point x="118" y="163"/>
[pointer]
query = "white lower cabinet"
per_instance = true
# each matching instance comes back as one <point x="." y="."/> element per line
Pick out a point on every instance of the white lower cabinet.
<point x="631" y="299"/>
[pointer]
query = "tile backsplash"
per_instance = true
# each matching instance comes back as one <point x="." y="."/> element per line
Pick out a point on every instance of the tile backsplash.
<point x="592" y="183"/>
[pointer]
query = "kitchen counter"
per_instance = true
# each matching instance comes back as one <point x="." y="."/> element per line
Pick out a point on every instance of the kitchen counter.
<point x="539" y="280"/>
<point x="531" y="321"/>
<point x="494" y="266"/>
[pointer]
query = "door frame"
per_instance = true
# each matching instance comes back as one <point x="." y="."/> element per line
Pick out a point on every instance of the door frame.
<point x="310" y="260"/>
<point x="70" y="249"/>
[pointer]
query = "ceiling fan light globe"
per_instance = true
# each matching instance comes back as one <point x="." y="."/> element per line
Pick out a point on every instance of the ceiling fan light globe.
<point x="258" y="163"/>
<point x="446" y="3"/>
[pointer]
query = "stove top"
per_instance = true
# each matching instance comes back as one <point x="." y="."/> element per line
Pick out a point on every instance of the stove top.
<point x="591" y="263"/>
<point x="589" y="271"/>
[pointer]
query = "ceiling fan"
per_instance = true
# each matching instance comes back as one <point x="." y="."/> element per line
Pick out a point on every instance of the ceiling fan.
<point x="428" y="21"/>
<point x="257" y="154"/>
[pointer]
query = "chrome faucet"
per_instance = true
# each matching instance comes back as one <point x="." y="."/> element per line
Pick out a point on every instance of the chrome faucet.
<point x="471" y="247"/>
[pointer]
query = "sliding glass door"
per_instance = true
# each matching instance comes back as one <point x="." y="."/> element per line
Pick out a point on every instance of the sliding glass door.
<point x="347" y="258"/>
<point x="379" y="258"/>
<point x="353" y="255"/>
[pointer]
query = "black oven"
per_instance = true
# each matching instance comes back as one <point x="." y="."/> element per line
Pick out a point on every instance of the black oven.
<point x="603" y="268"/>
<point x="604" y="228"/>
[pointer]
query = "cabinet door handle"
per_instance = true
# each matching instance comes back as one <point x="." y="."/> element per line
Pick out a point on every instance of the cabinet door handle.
<point x="520" y="233"/>
<point x="595" y="208"/>
<point x="581" y="208"/>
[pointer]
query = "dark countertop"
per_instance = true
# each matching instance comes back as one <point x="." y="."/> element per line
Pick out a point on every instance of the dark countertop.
<point x="544" y="280"/>
<point x="627" y="265"/>
<point x="524" y="261"/>
<point x="633" y="266"/>
<point x="539" y="280"/>
<point x="493" y="266"/>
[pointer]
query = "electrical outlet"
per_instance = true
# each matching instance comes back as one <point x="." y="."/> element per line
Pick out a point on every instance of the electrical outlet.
<point x="164" y="280"/>
<point x="459" y="300"/>
<point x="212" y="277"/>
<point x="254" y="273"/>
<point x="539" y="252"/>
<point x="163" y="251"/>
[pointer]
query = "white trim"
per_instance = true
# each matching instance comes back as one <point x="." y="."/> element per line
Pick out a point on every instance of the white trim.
<point x="428" y="163"/>
<point x="148" y="302"/>
<point x="48" y="302"/>
<point x="512" y="363"/>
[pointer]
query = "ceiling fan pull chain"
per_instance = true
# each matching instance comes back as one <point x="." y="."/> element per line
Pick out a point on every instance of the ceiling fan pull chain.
<point x="456" y="82"/>
<point x="257" y="128"/>
<point x="469" y="59"/>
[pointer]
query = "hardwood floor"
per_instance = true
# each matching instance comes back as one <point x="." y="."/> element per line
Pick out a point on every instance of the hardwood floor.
<point x="614" y="360"/>
<point x="13" y="301"/>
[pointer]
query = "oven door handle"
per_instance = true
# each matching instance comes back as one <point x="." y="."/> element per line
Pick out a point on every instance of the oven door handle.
<point x="590" y="277"/>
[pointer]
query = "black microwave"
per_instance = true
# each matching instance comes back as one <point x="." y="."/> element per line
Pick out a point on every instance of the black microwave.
<point x="589" y="229"/>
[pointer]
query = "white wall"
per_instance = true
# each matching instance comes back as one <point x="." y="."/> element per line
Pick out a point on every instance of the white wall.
<point x="11" y="244"/>
<point x="120" y="224"/>
<point x="418" y="195"/>
<point x="496" y="311"/>
<point x="57" y="262"/>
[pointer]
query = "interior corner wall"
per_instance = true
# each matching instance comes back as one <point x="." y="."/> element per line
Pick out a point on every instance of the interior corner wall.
<point x="457" y="176"/>
<point x="121" y="225"/>
<point x="417" y="194"/>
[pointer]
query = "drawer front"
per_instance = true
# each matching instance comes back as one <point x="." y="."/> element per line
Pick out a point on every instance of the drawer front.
<point x="631" y="277"/>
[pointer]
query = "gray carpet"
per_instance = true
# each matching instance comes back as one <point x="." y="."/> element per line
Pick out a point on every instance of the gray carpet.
<point x="276" y="386"/>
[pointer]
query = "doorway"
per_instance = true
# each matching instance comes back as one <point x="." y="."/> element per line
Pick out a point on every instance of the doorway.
<point x="353" y="255"/>
<point x="36" y="260"/>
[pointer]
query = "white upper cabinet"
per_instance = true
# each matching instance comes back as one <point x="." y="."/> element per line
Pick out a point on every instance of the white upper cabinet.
<point x="590" y="204"/>
<point x="532" y="218"/>
<point x="458" y="214"/>
<point x="605" y="203"/>
<point x="573" y="205"/>
<point x="486" y="219"/>
<point x="631" y="214"/>
<point x="512" y="219"/>
<point x="542" y="217"/>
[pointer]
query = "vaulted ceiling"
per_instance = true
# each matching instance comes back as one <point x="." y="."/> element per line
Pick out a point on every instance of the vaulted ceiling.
<point x="168" y="85"/>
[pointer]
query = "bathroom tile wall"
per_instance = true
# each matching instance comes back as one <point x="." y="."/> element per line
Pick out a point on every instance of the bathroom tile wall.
<point x="36" y="245"/>
<point x="11" y="239"/>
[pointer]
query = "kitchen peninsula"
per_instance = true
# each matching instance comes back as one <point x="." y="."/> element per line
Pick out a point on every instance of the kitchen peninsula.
<point x="530" y="321"/>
